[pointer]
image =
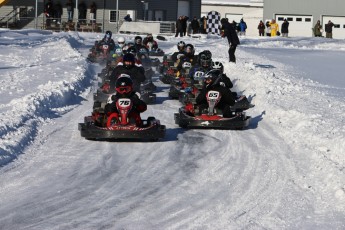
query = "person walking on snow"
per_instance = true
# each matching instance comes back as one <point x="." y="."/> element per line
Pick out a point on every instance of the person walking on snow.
<point x="231" y="35"/>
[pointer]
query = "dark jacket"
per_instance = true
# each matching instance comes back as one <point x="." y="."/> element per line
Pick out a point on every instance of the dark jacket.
<point x="179" y="25"/>
<point x="175" y="55"/>
<point x="285" y="27"/>
<point x="261" y="26"/>
<point x="195" y="24"/>
<point x="69" y="6"/>
<point x="226" y="80"/>
<point x="226" y="95"/>
<point x="230" y="34"/>
<point x="110" y="43"/>
<point x="49" y="10"/>
<point x="328" y="27"/>
<point x="192" y="59"/>
<point x="138" y="105"/>
<point x="93" y="8"/>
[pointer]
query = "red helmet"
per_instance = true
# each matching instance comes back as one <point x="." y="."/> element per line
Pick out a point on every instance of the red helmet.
<point x="124" y="84"/>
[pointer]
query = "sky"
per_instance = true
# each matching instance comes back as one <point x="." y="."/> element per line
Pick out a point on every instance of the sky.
<point x="284" y="171"/>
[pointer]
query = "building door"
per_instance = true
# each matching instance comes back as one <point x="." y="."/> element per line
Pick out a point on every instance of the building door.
<point x="299" y="25"/>
<point x="338" y="30"/>
<point x="183" y="9"/>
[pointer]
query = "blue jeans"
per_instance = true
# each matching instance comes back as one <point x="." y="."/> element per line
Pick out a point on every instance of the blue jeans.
<point x="70" y="15"/>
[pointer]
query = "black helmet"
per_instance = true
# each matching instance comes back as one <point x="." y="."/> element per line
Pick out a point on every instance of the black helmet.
<point x="189" y="49"/>
<point x="218" y="65"/>
<point x="128" y="60"/>
<point x="212" y="77"/>
<point x="132" y="50"/>
<point x="138" y="40"/>
<point x="205" y="58"/>
<point x="108" y="34"/>
<point x="181" y="45"/>
<point x="124" y="84"/>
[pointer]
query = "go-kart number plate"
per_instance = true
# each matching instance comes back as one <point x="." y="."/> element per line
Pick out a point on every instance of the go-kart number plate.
<point x="124" y="102"/>
<point x="214" y="95"/>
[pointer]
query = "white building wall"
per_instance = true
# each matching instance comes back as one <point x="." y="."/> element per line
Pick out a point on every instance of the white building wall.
<point x="251" y="15"/>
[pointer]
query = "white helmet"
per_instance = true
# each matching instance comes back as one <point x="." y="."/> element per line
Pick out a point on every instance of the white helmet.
<point x="121" y="41"/>
<point x="218" y="65"/>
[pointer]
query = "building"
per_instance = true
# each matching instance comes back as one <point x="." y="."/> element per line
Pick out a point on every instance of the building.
<point x="250" y="10"/>
<point x="303" y="15"/>
<point x="25" y="14"/>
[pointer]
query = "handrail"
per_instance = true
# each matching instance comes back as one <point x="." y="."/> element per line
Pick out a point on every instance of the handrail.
<point x="7" y="15"/>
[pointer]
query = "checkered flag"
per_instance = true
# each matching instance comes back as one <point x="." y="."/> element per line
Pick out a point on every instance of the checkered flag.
<point x="213" y="22"/>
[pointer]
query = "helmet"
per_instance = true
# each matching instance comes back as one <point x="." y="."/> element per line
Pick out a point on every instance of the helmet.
<point x="108" y="34"/>
<point x="181" y="45"/>
<point x="189" y="49"/>
<point x="206" y="53"/>
<point x="124" y="84"/>
<point x="132" y="50"/>
<point x="138" y="40"/>
<point x="212" y="76"/>
<point x="128" y="60"/>
<point x="121" y="41"/>
<point x="205" y="58"/>
<point x="218" y="65"/>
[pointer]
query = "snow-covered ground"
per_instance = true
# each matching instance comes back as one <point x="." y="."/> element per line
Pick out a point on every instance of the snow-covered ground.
<point x="285" y="171"/>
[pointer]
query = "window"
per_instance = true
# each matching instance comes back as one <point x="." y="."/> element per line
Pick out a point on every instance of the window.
<point x="307" y="19"/>
<point x="298" y="19"/>
<point x="344" y="26"/>
<point x="280" y="19"/>
<point x="112" y="16"/>
<point x="290" y="19"/>
<point x="22" y="12"/>
<point x="336" y="25"/>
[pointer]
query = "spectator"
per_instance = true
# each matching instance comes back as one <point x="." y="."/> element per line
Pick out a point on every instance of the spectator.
<point x="58" y="12"/>
<point x="179" y="27"/>
<point x="93" y="10"/>
<point x="231" y="35"/>
<point x="184" y="24"/>
<point x="268" y="29"/>
<point x="70" y="8"/>
<point x="285" y="28"/>
<point x="318" y="29"/>
<point x="328" y="29"/>
<point x="82" y="9"/>
<point x="195" y="25"/>
<point x="261" y="28"/>
<point x="274" y="28"/>
<point x="203" y="25"/>
<point x="49" y="12"/>
<point x="128" y="18"/>
<point x="242" y="27"/>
